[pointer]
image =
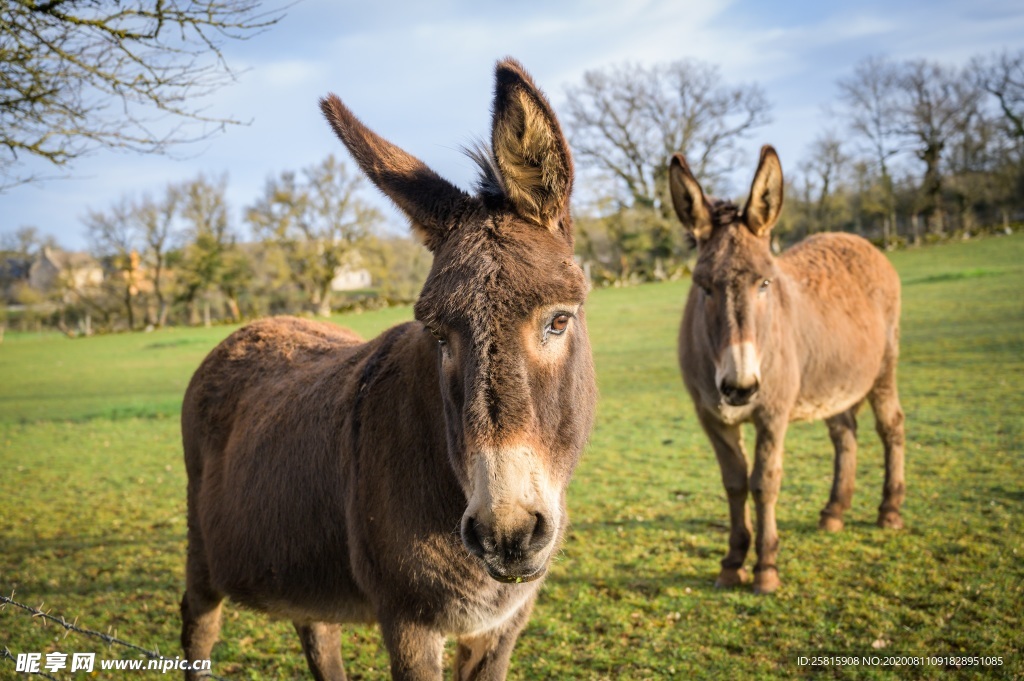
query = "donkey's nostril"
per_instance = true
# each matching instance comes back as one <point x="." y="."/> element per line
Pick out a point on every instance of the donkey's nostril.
<point x="542" y="532"/>
<point x="471" y="537"/>
<point x="533" y="536"/>
<point x="736" y="395"/>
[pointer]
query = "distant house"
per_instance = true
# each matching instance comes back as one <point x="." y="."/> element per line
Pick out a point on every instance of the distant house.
<point x="55" y="270"/>
<point x="346" y="279"/>
<point x="13" y="274"/>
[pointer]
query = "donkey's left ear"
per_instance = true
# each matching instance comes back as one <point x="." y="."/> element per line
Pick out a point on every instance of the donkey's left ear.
<point x="531" y="152"/>
<point x="765" y="202"/>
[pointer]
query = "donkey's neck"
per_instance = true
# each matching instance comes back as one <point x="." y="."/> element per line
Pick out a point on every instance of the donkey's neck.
<point x="398" y="413"/>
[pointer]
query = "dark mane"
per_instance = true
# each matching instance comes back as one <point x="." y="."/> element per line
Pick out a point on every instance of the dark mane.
<point x="723" y="212"/>
<point x="489" y="184"/>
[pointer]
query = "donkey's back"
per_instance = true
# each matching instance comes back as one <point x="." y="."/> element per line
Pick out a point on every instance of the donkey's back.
<point x="240" y="461"/>
<point x="844" y="315"/>
<point x="265" y="355"/>
<point x="843" y="270"/>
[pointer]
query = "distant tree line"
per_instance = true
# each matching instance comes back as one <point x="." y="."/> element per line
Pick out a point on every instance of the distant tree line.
<point x="178" y="258"/>
<point x="920" y="150"/>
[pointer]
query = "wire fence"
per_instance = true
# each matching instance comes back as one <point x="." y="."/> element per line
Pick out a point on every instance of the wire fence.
<point x="8" y="655"/>
<point x="73" y="626"/>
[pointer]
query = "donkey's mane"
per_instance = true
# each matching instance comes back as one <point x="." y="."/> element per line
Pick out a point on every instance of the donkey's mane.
<point x="489" y="183"/>
<point x="723" y="212"/>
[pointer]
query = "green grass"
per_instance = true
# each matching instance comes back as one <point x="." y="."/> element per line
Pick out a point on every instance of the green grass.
<point x="50" y="377"/>
<point x="92" y="503"/>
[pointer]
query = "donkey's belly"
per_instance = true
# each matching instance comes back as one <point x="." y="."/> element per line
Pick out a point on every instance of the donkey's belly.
<point x="822" y="406"/>
<point x="286" y="557"/>
<point x="340" y="612"/>
<point x="317" y="587"/>
<point x="309" y="593"/>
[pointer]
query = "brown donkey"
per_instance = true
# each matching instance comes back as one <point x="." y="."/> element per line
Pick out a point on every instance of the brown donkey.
<point x="417" y="479"/>
<point x="807" y="335"/>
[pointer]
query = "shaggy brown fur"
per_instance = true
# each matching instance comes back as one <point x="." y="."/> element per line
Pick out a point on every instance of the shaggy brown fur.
<point x="418" y="479"/>
<point x="808" y="335"/>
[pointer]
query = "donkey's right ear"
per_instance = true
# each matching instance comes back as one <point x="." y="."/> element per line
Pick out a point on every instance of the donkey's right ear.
<point x="432" y="203"/>
<point x="688" y="199"/>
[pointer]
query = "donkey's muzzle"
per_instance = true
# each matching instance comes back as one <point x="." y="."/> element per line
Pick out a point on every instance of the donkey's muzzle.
<point x="738" y="396"/>
<point x="517" y="554"/>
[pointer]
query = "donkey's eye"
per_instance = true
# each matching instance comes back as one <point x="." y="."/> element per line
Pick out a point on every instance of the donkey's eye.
<point x="559" y="324"/>
<point x="765" y="283"/>
<point x="441" y="340"/>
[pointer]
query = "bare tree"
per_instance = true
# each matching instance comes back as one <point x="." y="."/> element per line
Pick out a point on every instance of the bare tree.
<point x="1002" y="75"/>
<point x="626" y="121"/>
<point x="157" y="221"/>
<point x="937" y="101"/>
<point x="824" y="166"/>
<point x="76" y="76"/>
<point x="871" y="99"/>
<point x="319" y="223"/>
<point x="116" y="237"/>
<point x="26" y="241"/>
<point x="208" y="257"/>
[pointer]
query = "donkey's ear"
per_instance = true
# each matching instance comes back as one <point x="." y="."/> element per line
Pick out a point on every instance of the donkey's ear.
<point x="688" y="199"/>
<point x="431" y="202"/>
<point x="530" y="150"/>
<point x="765" y="202"/>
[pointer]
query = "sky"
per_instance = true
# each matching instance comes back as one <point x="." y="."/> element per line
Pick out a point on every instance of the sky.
<point x="420" y="74"/>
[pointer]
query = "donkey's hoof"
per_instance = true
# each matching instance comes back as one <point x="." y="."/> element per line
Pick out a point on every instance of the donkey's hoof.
<point x="731" y="577"/>
<point x="890" y="520"/>
<point x="766" y="581"/>
<point x="830" y="523"/>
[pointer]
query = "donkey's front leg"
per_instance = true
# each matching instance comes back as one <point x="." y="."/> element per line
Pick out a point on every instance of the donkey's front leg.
<point x="415" y="649"/>
<point x="765" y="481"/>
<point x="485" y="656"/>
<point x="732" y="460"/>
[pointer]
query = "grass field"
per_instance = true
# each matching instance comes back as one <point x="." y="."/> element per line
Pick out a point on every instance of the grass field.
<point x="92" y="504"/>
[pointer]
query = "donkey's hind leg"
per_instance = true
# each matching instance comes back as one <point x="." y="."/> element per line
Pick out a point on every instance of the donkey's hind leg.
<point x="200" y="606"/>
<point x="321" y="642"/>
<point x="842" y="429"/>
<point x="885" y="402"/>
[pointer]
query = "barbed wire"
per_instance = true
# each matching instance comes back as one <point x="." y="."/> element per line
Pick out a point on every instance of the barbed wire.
<point x="7" y="655"/>
<point x="73" y="626"/>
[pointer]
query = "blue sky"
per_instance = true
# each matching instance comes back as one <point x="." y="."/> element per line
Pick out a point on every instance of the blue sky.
<point x="419" y="73"/>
